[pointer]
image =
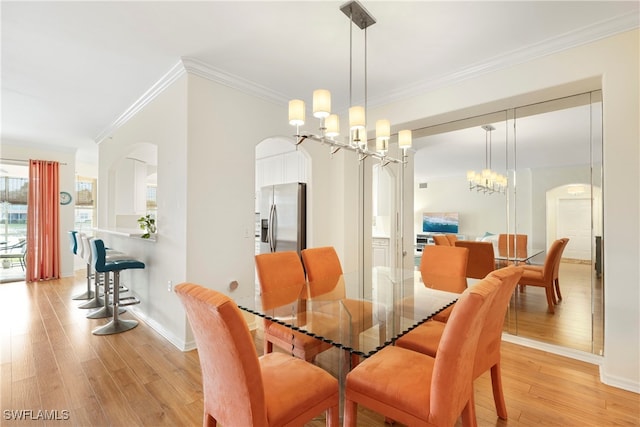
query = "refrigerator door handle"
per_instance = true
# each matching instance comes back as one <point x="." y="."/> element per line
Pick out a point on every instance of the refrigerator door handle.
<point x="273" y="225"/>
<point x="269" y="228"/>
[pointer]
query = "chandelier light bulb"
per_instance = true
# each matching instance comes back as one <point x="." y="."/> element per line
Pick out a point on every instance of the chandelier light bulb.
<point x="321" y="103"/>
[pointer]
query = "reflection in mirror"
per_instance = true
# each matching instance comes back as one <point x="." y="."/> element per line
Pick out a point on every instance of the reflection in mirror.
<point x="383" y="216"/>
<point x="551" y="153"/>
<point x="555" y="197"/>
<point x="136" y="181"/>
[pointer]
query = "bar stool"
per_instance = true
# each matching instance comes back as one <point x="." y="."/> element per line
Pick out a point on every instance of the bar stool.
<point x="101" y="265"/>
<point x="98" y="278"/>
<point x="74" y="246"/>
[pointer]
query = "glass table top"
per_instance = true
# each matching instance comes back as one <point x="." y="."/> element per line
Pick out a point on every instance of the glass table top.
<point x="353" y="313"/>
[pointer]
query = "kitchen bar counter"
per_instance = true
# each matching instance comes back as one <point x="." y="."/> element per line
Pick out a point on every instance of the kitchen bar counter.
<point x="125" y="232"/>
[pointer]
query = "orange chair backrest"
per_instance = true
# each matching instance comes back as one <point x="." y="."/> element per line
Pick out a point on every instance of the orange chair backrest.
<point x="231" y="375"/>
<point x="516" y="244"/>
<point x="445" y="261"/>
<point x="281" y="277"/>
<point x="481" y="258"/>
<point x="488" y="353"/>
<point x="553" y="258"/>
<point x="324" y="272"/>
<point x="441" y="239"/>
<point x="321" y="263"/>
<point x="556" y="268"/>
<point x="451" y="383"/>
<point x="452" y="238"/>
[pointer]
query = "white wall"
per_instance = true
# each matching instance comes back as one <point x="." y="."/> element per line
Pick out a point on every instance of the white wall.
<point x="162" y="122"/>
<point x="478" y="213"/>
<point x="67" y="172"/>
<point x="543" y="181"/>
<point x="610" y="64"/>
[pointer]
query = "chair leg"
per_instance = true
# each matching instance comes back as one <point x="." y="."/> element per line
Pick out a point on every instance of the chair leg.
<point x="498" y="394"/>
<point x="333" y="416"/>
<point x="469" y="418"/>
<point x="549" y="291"/>
<point x="557" y="285"/>
<point x="350" y="413"/>
<point x="355" y="359"/>
<point x="209" y="421"/>
<point x="268" y="346"/>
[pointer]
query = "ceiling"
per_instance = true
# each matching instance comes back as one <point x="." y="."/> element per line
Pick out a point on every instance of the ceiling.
<point x="70" y="69"/>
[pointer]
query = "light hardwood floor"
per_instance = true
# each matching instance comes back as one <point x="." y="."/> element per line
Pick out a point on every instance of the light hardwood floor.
<point x="574" y="324"/>
<point x="49" y="360"/>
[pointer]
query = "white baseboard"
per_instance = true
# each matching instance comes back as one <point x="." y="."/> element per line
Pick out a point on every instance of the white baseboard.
<point x="618" y="382"/>
<point x="555" y="349"/>
<point x="613" y="381"/>
<point x="172" y="338"/>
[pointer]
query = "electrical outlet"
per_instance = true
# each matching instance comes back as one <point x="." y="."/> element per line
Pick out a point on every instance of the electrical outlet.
<point x="170" y="285"/>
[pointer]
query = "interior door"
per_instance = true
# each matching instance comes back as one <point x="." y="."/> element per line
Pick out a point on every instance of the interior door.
<point x="574" y="222"/>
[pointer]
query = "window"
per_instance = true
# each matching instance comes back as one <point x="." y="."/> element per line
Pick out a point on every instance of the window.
<point x="85" y="215"/>
<point x="152" y="205"/>
<point x="13" y="207"/>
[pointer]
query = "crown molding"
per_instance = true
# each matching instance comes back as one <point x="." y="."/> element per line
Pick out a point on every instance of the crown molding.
<point x="582" y="36"/>
<point x="204" y="70"/>
<point x="177" y="71"/>
<point x="527" y="53"/>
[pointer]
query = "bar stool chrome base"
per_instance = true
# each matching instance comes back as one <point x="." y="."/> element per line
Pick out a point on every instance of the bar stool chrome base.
<point x="95" y="302"/>
<point x="115" y="326"/>
<point x="104" y="312"/>
<point x="85" y="295"/>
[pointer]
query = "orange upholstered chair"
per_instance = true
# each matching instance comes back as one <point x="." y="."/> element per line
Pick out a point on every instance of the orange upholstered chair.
<point x="444" y="268"/>
<point x="481" y="258"/>
<point x="242" y="389"/>
<point x="441" y="240"/>
<point x="324" y="269"/>
<point x="426" y="337"/>
<point x="543" y="276"/>
<point x="415" y="389"/>
<point x="278" y="271"/>
<point x="452" y="238"/>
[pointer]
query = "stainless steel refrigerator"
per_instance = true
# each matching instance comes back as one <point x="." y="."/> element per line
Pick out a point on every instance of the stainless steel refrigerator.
<point x="283" y="217"/>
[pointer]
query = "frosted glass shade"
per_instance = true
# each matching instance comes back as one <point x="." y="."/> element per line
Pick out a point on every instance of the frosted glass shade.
<point x="404" y="139"/>
<point x="296" y="112"/>
<point x="357" y="118"/>
<point x="333" y="125"/>
<point x="383" y="129"/>
<point x="321" y="103"/>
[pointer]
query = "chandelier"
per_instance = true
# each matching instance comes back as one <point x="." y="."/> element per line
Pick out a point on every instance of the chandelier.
<point x="487" y="181"/>
<point x="329" y="129"/>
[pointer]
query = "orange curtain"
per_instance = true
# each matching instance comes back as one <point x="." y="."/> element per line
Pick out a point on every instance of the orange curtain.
<point x="43" y="225"/>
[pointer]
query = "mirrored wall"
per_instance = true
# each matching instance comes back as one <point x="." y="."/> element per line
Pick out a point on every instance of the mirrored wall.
<point x="551" y="155"/>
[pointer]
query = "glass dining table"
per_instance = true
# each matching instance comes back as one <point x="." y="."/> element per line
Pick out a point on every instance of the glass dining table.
<point x="519" y="257"/>
<point x="357" y="313"/>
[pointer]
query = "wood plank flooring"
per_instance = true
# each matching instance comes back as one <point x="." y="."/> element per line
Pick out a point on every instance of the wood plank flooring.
<point x="51" y="366"/>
